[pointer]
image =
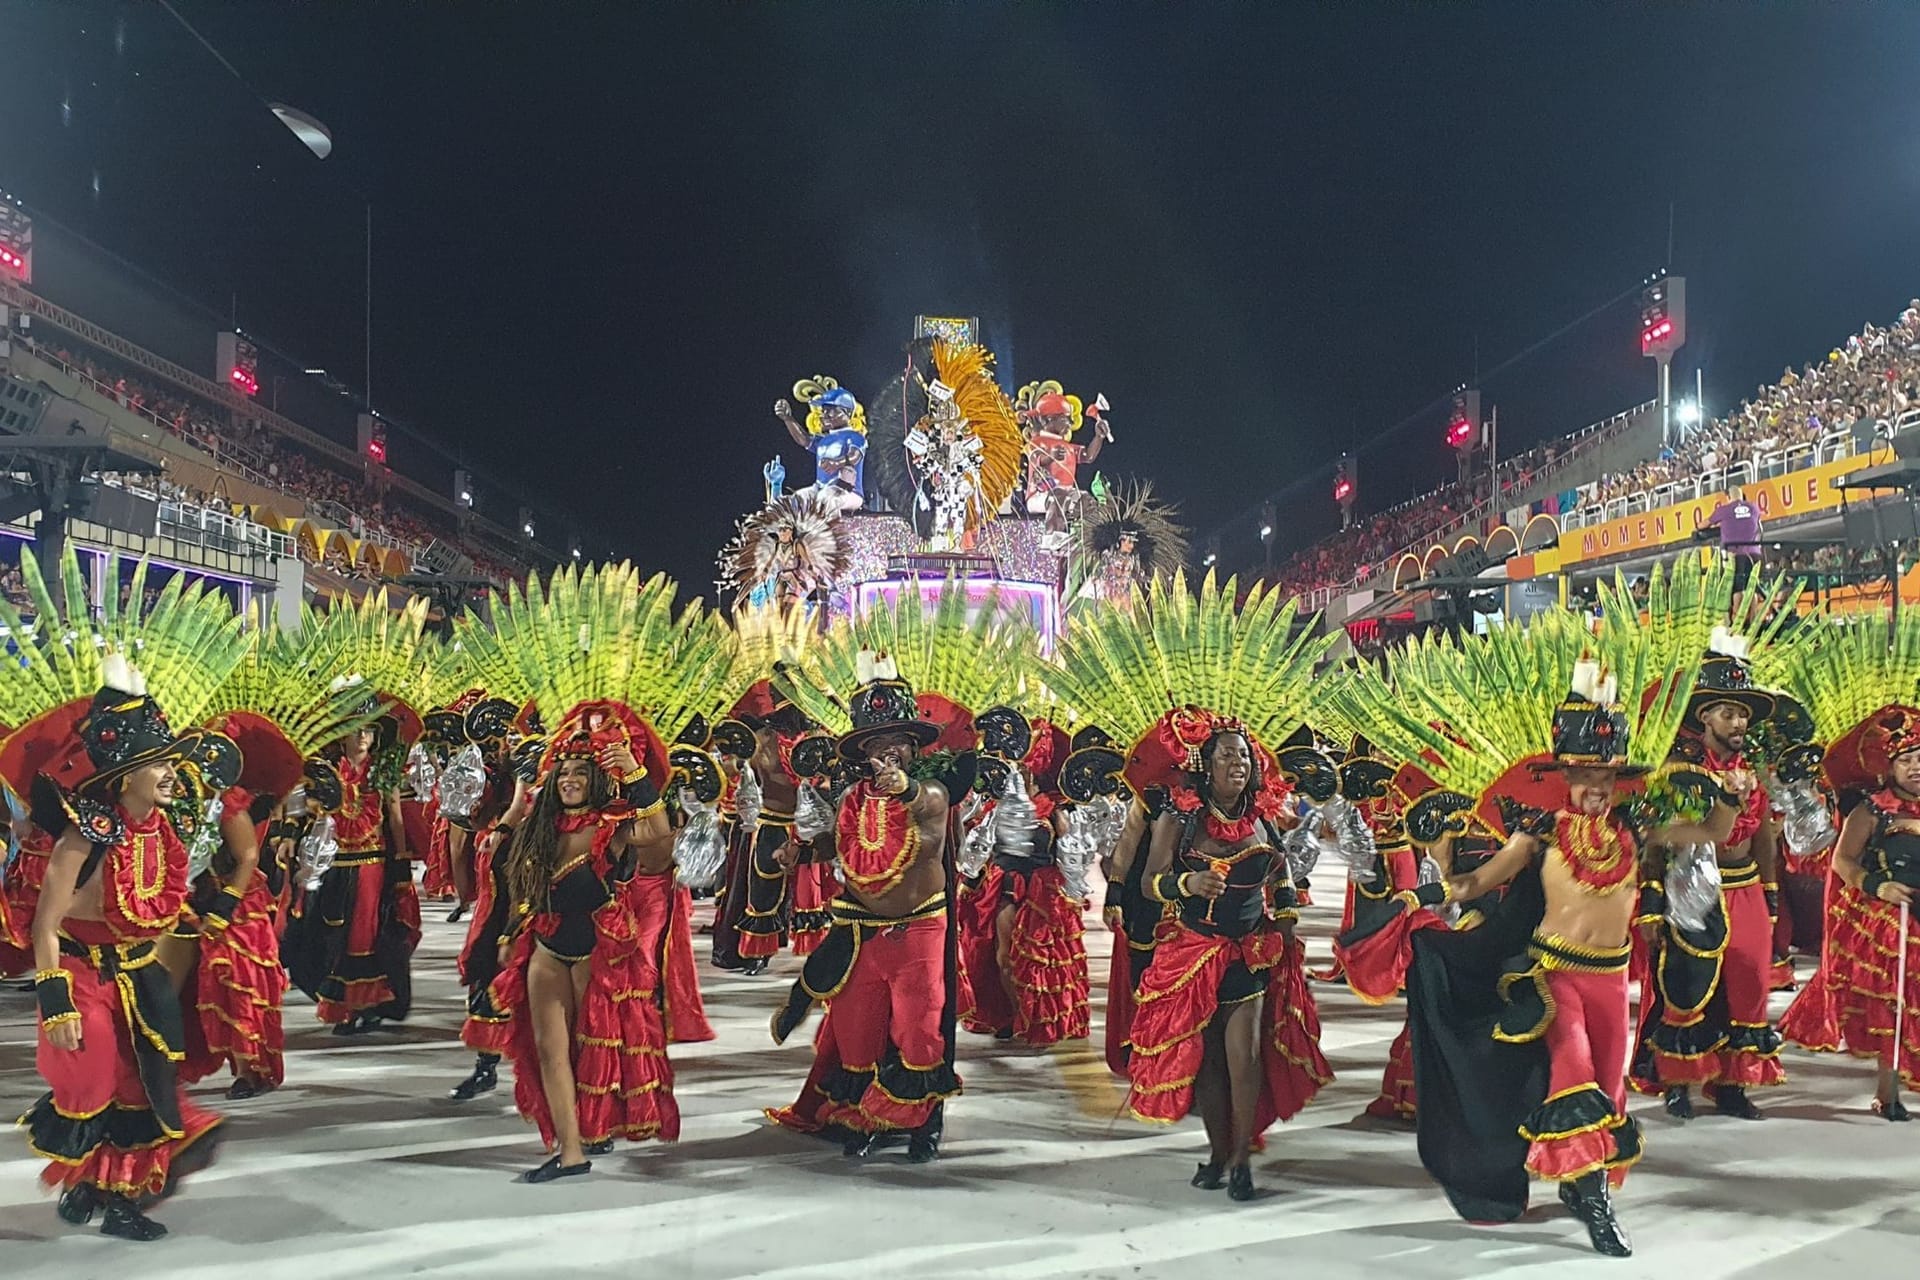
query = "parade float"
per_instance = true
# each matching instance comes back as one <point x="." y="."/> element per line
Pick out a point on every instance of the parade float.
<point x="942" y="476"/>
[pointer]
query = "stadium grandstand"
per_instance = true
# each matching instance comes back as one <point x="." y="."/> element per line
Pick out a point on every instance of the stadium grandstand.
<point x="1620" y="494"/>
<point x="138" y="426"/>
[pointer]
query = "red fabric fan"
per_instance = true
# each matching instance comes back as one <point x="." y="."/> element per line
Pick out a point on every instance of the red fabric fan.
<point x="271" y="765"/>
<point x="955" y="721"/>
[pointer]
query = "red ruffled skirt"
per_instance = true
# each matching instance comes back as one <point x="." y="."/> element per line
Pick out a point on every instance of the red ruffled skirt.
<point x="622" y="1080"/>
<point x="1397" y="1099"/>
<point x="437" y="880"/>
<point x="684" y="1011"/>
<point x="814" y="886"/>
<point x="1848" y="1006"/>
<point x="1178" y="998"/>
<point x="1120" y="1005"/>
<point x="238" y="989"/>
<point x="1047" y="969"/>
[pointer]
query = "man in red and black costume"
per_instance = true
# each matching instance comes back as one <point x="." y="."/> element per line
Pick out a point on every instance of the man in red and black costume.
<point x="883" y="1059"/>
<point x="351" y="943"/>
<point x="115" y="1124"/>
<point x="1021" y="933"/>
<point x="1537" y="1084"/>
<point x="772" y="895"/>
<point x="473" y="846"/>
<point x="1704" y="1019"/>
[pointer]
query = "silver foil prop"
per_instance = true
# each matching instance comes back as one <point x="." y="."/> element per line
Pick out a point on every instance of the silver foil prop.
<point x="699" y="852"/>
<point x="746" y="800"/>
<point x="1806" y="823"/>
<point x="420" y="771"/>
<point x="317" y="850"/>
<point x="206" y="840"/>
<point x="976" y="848"/>
<point x="1014" y="819"/>
<point x="1301" y="847"/>
<point x="462" y="782"/>
<point x="1110" y="823"/>
<point x="812" y="815"/>
<point x="1074" y="852"/>
<point x="1693" y="886"/>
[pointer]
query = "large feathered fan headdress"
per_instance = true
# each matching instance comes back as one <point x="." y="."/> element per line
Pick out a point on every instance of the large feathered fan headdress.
<point x="987" y="414"/>
<point x="973" y="663"/>
<point x="1188" y="662"/>
<point x="793" y="544"/>
<point x="1131" y="511"/>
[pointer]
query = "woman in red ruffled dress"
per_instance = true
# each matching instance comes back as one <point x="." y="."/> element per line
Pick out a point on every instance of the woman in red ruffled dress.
<point x="1223" y="1018"/>
<point x="1852" y="1004"/>
<point x="1023" y="934"/>
<point x="580" y="973"/>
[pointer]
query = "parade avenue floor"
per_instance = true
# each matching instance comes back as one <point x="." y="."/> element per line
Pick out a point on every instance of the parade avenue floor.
<point x="360" y="1166"/>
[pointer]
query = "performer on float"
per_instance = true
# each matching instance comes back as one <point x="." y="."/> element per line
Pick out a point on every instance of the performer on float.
<point x="787" y="553"/>
<point x="1223" y="1017"/>
<point x="1020" y="924"/>
<point x="1127" y="539"/>
<point x="1048" y="419"/>
<point x="1538" y="1086"/>
<point x="1704" y="1018"/>
<point x="884" y="1056"/>
<point x="946" y="445"/>
<point x="1864" y="1000"/>
<point x="116" y="1125"/>
<point x="836" y="435"/>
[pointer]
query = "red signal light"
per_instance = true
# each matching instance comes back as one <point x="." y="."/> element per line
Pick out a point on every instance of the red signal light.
<point x="243" y="380"/>
<point x="1342" y="489"/>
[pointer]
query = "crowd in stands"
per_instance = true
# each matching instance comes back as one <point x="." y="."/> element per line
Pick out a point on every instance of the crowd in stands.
<point x="251" y="451"/>
<point x="1873" y="378"/>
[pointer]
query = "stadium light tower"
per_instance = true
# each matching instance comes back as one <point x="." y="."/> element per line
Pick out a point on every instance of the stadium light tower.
<point x="1345" y="487"/>
<point x="1466" y="433"/>
<point x="1663" y="331"/>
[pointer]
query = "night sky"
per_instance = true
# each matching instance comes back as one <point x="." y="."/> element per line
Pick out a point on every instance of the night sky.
<point x="607" y="237"/>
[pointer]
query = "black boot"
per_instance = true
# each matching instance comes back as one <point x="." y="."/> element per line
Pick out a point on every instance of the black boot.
<point x="1240" y="1182"/>
<point x="125" y="1220"/>
<point x="859" y="1146"/>
<point x="482" y="1080"/>
<point x="1732" y="1100"/>
<point x="1679" y="1102"/>
<point x="78" y="1203"/>
<point x="1589" y="1201"/>
<point x="923" y="1144"/>
<point x="1893" y="1109"/>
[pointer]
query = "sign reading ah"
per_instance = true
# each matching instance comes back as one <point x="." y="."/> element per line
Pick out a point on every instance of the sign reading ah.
<point x="1787" y="497"/>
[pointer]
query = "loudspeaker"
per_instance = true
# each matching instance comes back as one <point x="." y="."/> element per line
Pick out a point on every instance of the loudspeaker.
<point x="115" y="508"/>
<point x="1874" y="524"/>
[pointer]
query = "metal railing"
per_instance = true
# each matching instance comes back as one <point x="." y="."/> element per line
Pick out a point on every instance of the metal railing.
<point x="1567" y="450"/>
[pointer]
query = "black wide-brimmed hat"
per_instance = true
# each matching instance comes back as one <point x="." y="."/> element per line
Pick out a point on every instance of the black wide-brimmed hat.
<point x="124" y="730"/>
<point x="883" y="707"/>
<point x="1726" y="677"/>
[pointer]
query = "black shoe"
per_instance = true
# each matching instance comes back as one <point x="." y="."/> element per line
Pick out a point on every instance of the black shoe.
<point x="604" y="1147"/>
<point x="1680" y="1103"/>
<point x="483" y="1080"/>
<point x="127" y="1222"/>
<point x="351" y="1027"/>
<point x="859" y="1146"/>
<point x="753" y="968"/>
<point x="1206" y="1177"/>
<point x="242" y="1089"/>
<point x="1593" y="1206"/>
<point x="1004" y="1033"/>
<point x="1240" y="1182"/>
<point x="1732" y="1100"/>
<point x="1895" y="1110"/>
<point x="78" y="1203"/>
<point x="923" y="1144"/>
<point x="553" y="1169"/>
<point x="455" y="916"/>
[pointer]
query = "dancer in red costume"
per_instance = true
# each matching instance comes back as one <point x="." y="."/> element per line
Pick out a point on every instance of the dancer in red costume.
<point x="883" y="1059"/>
<point x="1134" y="918"/>
<point x="773" y="895"/>
<point x="1224" y="1020"/>
<point x="1854" y="1002"/>
<point x="351" y="943"/>
<point x="1704" y="1019"/>
<point x="116" y="1126"/>
<point x="579" y="965"/>
<point x="1021" y="932"/>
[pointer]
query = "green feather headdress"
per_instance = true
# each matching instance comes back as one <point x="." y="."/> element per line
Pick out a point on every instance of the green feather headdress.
<point x="979" y="663"/>
<point x="1124" y="669"/>
<point x="186" y="644"/>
